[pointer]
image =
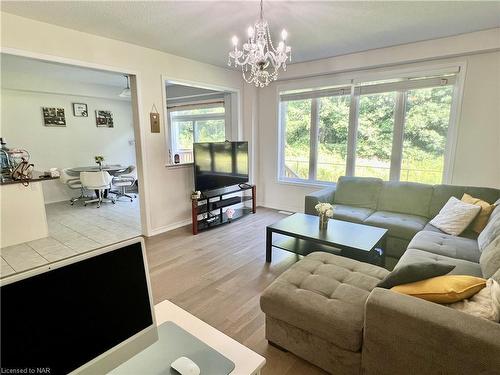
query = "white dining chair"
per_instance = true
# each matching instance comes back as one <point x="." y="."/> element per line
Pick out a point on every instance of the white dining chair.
<point x="122" y="181"/>
<point x="98" y="181"/>
<point x="72" y="180"/>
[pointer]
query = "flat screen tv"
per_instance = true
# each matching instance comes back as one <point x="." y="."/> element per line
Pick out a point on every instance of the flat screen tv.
<point x="87" y="314"/>
<point x="220" y="164"/>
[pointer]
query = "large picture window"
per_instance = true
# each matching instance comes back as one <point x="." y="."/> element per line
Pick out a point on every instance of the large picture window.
<point x="394" y="130"/>
<point x="195" y="124"/>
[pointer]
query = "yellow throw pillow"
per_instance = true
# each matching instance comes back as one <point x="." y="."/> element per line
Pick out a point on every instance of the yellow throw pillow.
<point x="443" y="289"/>
<point x="482" y="217"/>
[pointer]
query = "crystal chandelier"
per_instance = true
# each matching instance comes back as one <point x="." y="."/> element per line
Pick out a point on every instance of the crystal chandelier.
<point x="259" y="60"/>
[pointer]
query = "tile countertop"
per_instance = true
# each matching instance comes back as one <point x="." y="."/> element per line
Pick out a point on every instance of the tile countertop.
<point x="37" y="176"/>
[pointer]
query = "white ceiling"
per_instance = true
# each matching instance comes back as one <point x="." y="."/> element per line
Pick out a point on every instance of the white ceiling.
<point x="22" y="65"/>
<point x="202" y="30"/>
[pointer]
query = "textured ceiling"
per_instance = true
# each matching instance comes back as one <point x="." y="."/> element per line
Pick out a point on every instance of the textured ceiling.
<point x="22" y="65"/>
<point x="202" y="30"/>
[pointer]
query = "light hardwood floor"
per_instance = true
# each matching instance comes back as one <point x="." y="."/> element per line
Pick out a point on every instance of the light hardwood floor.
<point x="218" y="275"/>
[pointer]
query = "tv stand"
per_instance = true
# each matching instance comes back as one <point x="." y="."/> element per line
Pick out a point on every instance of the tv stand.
<point x="207" y="211"/>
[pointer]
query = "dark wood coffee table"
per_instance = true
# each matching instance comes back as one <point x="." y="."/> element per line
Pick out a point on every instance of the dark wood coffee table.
<point x="300" y="234"/>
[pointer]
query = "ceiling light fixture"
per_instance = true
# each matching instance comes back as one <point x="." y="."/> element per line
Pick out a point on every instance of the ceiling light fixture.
<point x="259" y="60"/>
<point x="126" y="93"/>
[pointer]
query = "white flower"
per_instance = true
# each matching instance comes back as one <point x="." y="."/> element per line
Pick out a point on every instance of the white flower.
<point x="324" y="208"/>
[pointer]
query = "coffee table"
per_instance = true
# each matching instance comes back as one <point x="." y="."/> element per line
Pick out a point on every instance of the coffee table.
<point x="300" y="234"/>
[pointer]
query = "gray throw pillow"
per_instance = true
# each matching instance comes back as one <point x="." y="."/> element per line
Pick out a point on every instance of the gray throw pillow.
<point x="490" y="258"/>
<point x="410" y="273"/>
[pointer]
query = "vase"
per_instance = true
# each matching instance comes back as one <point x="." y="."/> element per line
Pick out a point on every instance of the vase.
<point x="323" y="222"/>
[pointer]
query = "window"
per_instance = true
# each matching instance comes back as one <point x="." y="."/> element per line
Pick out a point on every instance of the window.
<point x="197" y="124"/>
<point x="427" y="116"/>
<point x="394" y="129"/>
<point x="375" y="135"/>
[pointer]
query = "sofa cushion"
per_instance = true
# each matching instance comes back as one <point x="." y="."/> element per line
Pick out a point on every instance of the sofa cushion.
<point x="447" y="245"/>
<point x="358" y="191"/>
<point x="325" y="295"/>
<point x="462" y="267"/>
<point x="441" y="194"/>
<point x="490" y="232"/>
<point x="466" y="233"/>
<point x="431" y="228"/>
<point x="399" y="225"/>
<point x="490" y="258"/>
<point x="350" y="213"/>
<point x="405" y="197"/>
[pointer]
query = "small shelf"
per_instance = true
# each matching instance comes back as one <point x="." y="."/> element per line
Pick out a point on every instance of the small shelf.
<point x="238" y="214"/>
<point x="213" y="203"/>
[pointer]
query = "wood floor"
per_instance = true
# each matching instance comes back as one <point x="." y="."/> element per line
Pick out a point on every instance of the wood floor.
<point x="218" y="275"/>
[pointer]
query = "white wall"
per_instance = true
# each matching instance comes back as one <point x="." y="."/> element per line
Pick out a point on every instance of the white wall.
<point x="477" y="155"/>
<point x="167" y="190"/>
<point x="166" y="199"/>
<point x="70" y="146"/>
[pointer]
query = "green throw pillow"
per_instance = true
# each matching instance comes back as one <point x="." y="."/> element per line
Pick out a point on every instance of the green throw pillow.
<point x="411" y="273"/>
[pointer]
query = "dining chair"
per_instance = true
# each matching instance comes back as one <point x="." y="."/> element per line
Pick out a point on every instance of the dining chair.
<point x="122" y="181"/>
<point x="98" y="181"/>
<point x="72" y="180"/>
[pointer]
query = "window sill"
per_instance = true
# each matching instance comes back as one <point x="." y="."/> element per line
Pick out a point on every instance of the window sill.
<point x="305" y="183"/>
<point x="177" y="166"/>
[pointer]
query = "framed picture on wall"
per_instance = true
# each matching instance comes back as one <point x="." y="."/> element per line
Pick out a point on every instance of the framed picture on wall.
<point x="80" y="110"/>
<point x="53" y="116"/>
<point x="104" y="119"/>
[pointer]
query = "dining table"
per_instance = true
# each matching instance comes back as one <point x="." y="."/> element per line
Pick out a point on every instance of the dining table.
<point x="112" y="169"/>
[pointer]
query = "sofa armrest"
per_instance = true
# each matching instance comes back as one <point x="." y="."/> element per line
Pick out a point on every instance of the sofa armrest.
<point x="408" y="335"/>
<point x="312" y="199"/>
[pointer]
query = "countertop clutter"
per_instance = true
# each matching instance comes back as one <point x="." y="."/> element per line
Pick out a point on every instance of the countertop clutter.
<point x="36" y="177"/>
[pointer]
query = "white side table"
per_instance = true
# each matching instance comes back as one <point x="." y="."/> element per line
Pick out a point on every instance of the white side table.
<point x="246" y="361"/>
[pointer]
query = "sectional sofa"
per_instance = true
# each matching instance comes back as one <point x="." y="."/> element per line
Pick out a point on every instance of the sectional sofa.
<point x="404" y="208"/>
<point x="328" y="309"/>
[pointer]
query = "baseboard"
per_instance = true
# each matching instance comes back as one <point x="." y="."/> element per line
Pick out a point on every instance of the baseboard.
<point x="169" y="227"/>
<point x="281" y="207"/>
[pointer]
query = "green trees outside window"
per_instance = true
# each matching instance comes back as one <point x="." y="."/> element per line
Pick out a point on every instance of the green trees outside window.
<point x="316" y="135"/>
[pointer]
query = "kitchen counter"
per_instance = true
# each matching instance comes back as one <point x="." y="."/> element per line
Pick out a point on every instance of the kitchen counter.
<point x="23" y="216"/>
<point x="36" y="177"/>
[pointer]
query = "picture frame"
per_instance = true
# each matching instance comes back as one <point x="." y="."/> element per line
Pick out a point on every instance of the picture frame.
<point x="104" y="119"/>
<point x="80" y="110"/>
<point x="53" y="117"/>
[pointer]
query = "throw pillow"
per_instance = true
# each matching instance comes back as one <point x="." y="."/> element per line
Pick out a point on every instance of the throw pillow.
<point x="490" y="258"/>
<point x="410" y="273"/>
<point x="482" y="218"/>
<point x="485" y="304"/>
<point x="455" y="216"/>
<point x="443" y="289"/>
<point x="489" y="233"/>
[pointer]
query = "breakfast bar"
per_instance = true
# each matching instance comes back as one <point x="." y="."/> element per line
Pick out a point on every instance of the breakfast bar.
<point x="23" y="216"/>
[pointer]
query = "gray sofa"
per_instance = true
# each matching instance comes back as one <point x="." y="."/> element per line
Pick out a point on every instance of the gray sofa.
<point x="328" y="310"/>
<point x="404" y="208"/>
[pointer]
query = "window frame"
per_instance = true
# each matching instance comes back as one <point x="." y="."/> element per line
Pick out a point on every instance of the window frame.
<point x="172" y="136"/>
<point x="451" y="72"/>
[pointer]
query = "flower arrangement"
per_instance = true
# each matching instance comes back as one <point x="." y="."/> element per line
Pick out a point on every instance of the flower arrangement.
<point x="99" y="159"/>
<point x="325" y="211"/>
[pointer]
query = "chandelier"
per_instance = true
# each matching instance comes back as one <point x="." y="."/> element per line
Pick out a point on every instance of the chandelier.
<point x="260" y="61"/>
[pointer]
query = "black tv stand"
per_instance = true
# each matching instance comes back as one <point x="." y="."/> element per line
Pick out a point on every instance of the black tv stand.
<point x="207" y="211"/>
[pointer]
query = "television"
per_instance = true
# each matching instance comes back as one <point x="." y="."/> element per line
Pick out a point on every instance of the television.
<point x="220" y="164"/>
<point x="85" y="315"/>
